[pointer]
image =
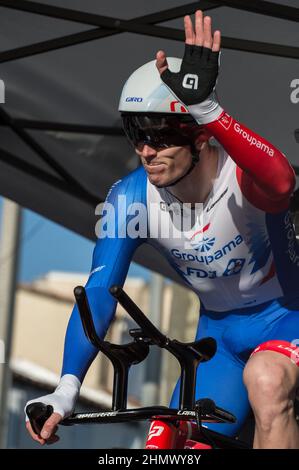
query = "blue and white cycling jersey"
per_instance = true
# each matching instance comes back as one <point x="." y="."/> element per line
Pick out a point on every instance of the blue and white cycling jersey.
<point x="233" y="255"/>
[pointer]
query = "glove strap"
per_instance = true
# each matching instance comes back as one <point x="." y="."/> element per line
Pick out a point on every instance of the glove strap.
<point x="207" y="111"/>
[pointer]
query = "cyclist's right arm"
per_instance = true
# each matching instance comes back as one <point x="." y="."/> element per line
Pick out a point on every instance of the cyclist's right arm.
<point x="110" y="264"/>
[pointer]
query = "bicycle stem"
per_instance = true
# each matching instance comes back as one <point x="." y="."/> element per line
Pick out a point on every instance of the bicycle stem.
<point x="186" y="354"/>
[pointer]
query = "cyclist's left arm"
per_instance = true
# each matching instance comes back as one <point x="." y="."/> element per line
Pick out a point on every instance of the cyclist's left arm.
<point x="264" y="172"/>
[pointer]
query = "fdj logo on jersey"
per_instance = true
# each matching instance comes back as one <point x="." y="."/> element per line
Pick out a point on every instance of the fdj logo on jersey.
<point x="234" y="266"/>
<point x="199" y="273"/>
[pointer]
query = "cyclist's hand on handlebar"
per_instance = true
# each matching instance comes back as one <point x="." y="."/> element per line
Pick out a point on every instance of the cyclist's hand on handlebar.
<point x="58" y="407"/>
<point x="48" y="433"/>
<point x="52" y="409"/>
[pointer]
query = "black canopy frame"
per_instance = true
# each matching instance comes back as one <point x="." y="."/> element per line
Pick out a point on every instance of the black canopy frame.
<point x="102" y="27"/>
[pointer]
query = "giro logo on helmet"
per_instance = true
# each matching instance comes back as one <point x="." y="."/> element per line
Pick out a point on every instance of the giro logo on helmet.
<point x="137" y="99"/>
<point x="190" y="81"/>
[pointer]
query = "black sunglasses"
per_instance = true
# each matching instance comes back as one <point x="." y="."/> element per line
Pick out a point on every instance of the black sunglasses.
<point x="157" y="131"/>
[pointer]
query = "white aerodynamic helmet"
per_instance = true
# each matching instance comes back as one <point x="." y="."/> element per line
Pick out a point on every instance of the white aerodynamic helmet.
<point x="144" y="91"/>
<point x="152" y="114"/>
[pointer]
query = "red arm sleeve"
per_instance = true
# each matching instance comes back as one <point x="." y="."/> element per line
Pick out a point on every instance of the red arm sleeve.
<point x="264" y="174"/>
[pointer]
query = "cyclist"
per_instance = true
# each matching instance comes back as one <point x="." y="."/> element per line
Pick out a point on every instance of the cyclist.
<point x="239" y="253"/>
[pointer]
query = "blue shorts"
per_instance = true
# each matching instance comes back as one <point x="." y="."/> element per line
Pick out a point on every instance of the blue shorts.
<point x="238" y="333"/>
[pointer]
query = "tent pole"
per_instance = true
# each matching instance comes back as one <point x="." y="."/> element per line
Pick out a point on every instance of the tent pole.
<point x="9" y="257"/>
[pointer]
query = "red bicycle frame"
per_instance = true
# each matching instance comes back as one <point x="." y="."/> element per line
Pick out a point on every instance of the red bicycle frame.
<point x="179" y="435"/>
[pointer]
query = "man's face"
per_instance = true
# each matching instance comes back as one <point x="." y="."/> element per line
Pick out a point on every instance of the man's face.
<point x="164" y="144"/>
<point x="167" y="165"/>
<point x="164" y="165"/>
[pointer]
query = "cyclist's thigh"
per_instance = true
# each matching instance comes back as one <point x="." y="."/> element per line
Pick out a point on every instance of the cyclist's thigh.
<point x="287" y="326"/>
<point x="221" y="379"/>
<point x="286" y="330"/>
<point x="278" y="323"/>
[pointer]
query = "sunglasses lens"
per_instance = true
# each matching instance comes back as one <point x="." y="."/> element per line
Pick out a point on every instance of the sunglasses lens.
<point x="159" y="131"/>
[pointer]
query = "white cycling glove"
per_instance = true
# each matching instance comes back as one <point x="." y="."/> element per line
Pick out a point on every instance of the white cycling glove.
<point x="63" y="399"/>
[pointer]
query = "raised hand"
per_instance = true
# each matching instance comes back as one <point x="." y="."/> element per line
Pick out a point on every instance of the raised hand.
<point x="199" y="70"/>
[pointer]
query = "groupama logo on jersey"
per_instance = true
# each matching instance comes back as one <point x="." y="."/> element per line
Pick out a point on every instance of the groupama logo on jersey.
<point x="200" y="243"/>
<point x="253" y="140"/>
<point x="204" y="245"/>
<point x="208" y="258"/>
